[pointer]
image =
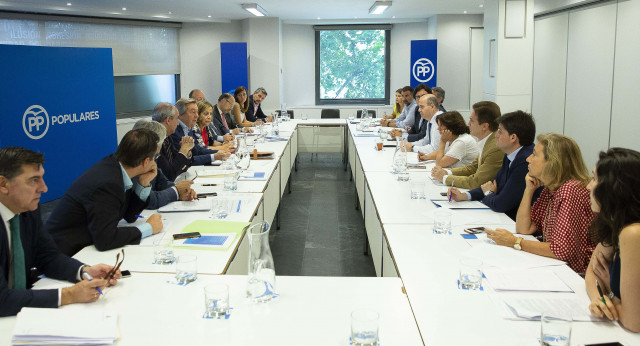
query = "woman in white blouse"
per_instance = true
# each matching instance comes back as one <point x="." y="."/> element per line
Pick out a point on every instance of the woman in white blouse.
<point x="457" y="147"/>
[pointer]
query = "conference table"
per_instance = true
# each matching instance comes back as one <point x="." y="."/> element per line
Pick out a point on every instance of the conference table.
<point x="415" y="293"/>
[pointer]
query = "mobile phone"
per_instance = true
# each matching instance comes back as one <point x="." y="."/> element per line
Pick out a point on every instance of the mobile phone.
<point x="443" y="193"/>
<point x="615" y="343"/>
<point x="125" y="273"/>
<point x="474" y="230"/>
<point x="186" y="235"/>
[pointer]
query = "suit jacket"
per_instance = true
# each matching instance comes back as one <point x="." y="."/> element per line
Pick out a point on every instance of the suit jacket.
<point x="249" y="114"/>
<point x="479" y="172"/>
<point x="161" y="191"/>
<point x="41" y="252"/>
<point x="417" y="132"/>
<point x="199" y="154"/>
<point x="511" y="184"/>
<point x="171" y="161"/>
<point x="216" y="125"/>
<point x="217" y="118"/>
<point x="90" y="209"/>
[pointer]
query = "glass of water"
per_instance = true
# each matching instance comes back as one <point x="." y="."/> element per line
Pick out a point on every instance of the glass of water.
<point x="186" y="269"/>
<point x="555" y="329"/>
<point x="364" y="327"/>
<point x="417" y="189"/>
<point x="231" y="181"/>
<point x="471" y="273"/>
<point x="305" y="116"/>
<point x="216" y="299"/>
<point x="442" y="222"/>
<point x="163" y="250"/>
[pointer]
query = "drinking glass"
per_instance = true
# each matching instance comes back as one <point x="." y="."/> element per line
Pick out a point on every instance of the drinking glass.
<point x="471" y="273"/>
<point x="216" y="299"/>
<point x="555" y="329"/>
<point x="186" y="269"/>
<point x="163" y="250"/>
<point x="364" y="327"/>
<point x="442" y="222"/>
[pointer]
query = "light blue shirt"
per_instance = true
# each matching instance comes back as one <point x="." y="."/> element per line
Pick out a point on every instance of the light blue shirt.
<point x="185" y="129"/>
<point x="143" y="193"/>
<point x="407" y="117"/>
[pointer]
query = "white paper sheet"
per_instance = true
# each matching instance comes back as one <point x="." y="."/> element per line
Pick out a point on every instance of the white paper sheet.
<point x="520" y="308"/>
<point x="184" y="206"/>
<point x="540" y="280"/>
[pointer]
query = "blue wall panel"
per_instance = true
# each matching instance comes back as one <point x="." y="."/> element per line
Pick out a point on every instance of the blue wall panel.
<point x="233" y="65"/>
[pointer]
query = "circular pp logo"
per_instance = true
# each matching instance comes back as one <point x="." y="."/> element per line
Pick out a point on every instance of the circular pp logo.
<point x="423" y="70"/>
<point x="35" y="122"/>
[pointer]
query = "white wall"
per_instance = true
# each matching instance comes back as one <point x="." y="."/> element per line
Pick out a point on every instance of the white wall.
<point x="454" y="44"/>
<point x="264" y="58"/>
<point x="200" y="55"/>
<point x="401" y="37"/>
<point x="298" y="64"/>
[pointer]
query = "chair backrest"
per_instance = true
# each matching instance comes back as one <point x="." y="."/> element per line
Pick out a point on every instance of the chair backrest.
<point x="330" y="113"/>
<point x="372" y="113"/>
<point x="289" y="112"/>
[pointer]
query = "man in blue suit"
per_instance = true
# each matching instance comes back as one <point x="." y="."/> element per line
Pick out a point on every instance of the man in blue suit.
<point x="25" y="245"/>
<point x="515" y="136"/>
<point x="254" y="112"/>
<point x="188" y="115"/>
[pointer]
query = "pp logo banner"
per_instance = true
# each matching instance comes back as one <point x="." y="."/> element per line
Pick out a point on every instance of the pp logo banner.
<point x="35" y="122"/>
<point x="424" y="62"/>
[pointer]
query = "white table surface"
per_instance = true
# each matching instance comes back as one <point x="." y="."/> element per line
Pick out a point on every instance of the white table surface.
<point x="139" y="258"/>
<point x="446" y="315"/>
<point x="308" y="311"/>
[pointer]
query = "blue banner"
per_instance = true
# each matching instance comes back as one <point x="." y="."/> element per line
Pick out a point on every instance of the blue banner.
<point x="234" y="66"/>
<point x="58" y="101"/>
<point x="424" y="62"/>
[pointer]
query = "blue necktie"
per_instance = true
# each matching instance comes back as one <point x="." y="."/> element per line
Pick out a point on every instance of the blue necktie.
<point x="19" y="275"/>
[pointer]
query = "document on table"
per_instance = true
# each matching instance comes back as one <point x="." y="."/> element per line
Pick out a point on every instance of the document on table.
<point x="232" y="230"/>
<point x="210" y="241"/>
<point x="183" y="206"/>
<point x="509" y="258"/>
<point x="519" y="308"/>
<point x="365" y="134"/>
<point x="65" y="326"/>
<point x="540" y="280"/>
<point x="212" y="172"/>
<point x="444" y="203"/>
<point x="254" y="176"/>
<point x="148" y="241"/>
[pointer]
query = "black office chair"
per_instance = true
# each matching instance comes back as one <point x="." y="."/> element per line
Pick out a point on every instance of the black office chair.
<point x="371" y="112"/>
<point x="330" y="113"/>
<point x="289" y="112"/>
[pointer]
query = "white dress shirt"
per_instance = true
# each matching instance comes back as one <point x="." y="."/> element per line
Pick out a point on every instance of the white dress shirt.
<point x="431" y="141"/>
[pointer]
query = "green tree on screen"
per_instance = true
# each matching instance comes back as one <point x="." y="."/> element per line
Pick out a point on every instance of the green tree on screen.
<point x="352" y="64"/>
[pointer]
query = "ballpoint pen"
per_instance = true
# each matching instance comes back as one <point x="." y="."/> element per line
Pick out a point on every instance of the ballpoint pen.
<point x="600" y="292"/>
<point x="209" y="184"/>
<point x="88" y="277"/>
<point x="451" y="195"/>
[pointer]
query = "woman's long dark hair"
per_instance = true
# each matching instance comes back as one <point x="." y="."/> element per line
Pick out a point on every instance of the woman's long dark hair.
<point x="618" y="173"/>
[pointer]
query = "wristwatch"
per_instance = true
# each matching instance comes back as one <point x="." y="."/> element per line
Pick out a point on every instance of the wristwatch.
<point x="517" y="244"/>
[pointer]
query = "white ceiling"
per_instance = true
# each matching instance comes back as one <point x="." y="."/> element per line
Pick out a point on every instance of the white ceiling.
<point x="291" y="11"/>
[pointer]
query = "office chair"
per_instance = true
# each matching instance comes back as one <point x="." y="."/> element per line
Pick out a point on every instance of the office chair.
<point x="330" y="113"/>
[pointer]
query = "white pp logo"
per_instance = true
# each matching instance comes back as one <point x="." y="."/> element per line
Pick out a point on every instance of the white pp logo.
<point x="35" y="122"/>
<point x="423" y="70"/>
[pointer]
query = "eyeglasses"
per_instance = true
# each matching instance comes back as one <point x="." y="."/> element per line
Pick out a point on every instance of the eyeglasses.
<point x="115" y="268"/>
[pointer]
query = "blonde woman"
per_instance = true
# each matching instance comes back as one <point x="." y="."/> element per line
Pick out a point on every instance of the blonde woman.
<point x="563" y="212"/>
<point x="397" y="108"/>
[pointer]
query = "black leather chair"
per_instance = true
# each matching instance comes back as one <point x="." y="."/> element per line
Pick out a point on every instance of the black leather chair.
<point x="330" y="113"/>
<point x="371" y="112"/>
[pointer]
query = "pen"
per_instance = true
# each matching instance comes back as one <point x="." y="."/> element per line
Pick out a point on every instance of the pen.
<point x="450" y="195"/>
<point x="600" y="292"/>
<point x="88" y="277"/>
<point x="140" y="216"/>
<point x="209" y="184"/>
<point x="239" y="204"/>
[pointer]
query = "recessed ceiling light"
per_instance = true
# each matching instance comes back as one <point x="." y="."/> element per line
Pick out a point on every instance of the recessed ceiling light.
<point x="255" y="9"/>
<point x="318" y="18"/>
<point x="393" y="17"/>
<point x="465" y="12"/>
<point x="355" y="17"/>
<point x="379" y="6"/>
<point x="170" y="12"/>
<point x="68" y="4"/>
<point x="481" y="5"/>
<point x="209" y="16"/>
<point x="124" y="8"/>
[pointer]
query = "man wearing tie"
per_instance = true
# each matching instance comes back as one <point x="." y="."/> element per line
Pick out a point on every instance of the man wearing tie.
<point x="24" y="244"/>
<point x="515" y="136"/>
<point x="428" y="106"/>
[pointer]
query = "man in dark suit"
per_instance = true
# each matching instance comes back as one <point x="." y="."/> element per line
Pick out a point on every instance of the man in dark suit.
<point x="163" y="190"/>
<point x="221" y="117"/>
<point x="254" y="112"/>
<point x="90" y="209"/>
<point x="418" y="129"/>
<point x="25" y="245"/>
<point x="439" y="92"/>
<point x="188" y="115"/>
<point x="172" y="161"/>
<point x="515" y="135"/>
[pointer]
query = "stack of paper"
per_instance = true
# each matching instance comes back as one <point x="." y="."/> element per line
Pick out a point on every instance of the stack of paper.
<point x="252" y="176"/>
<point x="65" y="327"/>
<point x="182" y="206"/>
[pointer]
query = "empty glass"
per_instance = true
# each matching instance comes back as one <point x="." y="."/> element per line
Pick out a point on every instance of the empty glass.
<point x="163" y="250"/>
<point x="186" y="269"/>
<point x="216" y="299"/>
<point x="442" y="222"/>
<point x="364" y="327"/>
<point x="470" y="273"/>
